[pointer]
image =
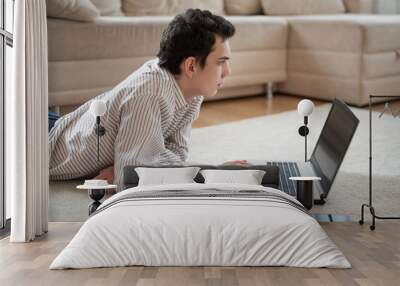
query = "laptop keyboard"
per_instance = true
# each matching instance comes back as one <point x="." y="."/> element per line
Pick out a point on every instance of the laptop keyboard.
<point x="287" y="170"/>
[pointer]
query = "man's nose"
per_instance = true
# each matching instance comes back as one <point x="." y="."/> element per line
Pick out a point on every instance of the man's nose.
<point x="227" y="70"/>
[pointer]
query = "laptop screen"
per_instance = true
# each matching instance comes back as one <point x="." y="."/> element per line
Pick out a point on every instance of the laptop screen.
<point x="331" y="147"/>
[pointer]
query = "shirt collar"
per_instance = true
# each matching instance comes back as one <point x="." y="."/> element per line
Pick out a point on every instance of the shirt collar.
<point x="180" y="99"/>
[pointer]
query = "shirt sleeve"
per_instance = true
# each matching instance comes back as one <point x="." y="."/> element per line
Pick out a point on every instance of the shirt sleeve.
<point x="177" y="143"/>
<point x="140" y="138"/>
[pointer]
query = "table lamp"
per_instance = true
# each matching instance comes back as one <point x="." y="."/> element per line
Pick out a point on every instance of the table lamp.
<point x="97" y="188"/>
<point x="305" y="108"/>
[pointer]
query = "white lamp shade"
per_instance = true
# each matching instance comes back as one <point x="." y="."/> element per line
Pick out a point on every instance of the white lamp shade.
<point x="305" y="107"/>
<point x="98" y="108"/>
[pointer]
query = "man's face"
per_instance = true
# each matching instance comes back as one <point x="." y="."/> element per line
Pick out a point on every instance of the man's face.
<point x="210" y="78"/>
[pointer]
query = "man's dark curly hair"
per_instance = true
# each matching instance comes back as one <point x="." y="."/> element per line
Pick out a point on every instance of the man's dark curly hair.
<point x="191" y="34"/>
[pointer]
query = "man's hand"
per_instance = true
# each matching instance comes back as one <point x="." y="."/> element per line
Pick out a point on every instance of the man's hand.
<point x="243" y="163"/>
<point x="106" y="174"/>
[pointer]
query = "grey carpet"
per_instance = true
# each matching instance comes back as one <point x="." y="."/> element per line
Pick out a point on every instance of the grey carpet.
<point x="68" y="203"/>
<point x="275" y="137"/>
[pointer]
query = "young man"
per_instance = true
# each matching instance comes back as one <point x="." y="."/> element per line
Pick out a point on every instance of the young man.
<point x="149" y="115"/>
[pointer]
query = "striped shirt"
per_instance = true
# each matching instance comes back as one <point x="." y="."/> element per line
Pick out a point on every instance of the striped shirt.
<point x="148" y="121"/>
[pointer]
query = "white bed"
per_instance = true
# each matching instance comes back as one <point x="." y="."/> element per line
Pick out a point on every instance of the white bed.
<point x="221" y="225"/>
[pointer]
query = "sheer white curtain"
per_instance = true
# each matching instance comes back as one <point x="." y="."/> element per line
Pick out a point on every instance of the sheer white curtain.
<point x="26" y="124"/>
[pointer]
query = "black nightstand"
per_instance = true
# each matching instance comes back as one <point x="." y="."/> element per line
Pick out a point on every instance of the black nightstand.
<point x="304" y="190"/>
<point x="96" y="193"/>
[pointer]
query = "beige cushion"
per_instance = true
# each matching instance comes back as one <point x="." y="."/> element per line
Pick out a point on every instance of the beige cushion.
<point x="346" y="33"/>
<point x="169" y="7"/>
<point x="79" y="10"/>
<point x="123" y="37"/>
<point x="372" y="6"/>
<point x="108" y="37"/>
<point x="386" y="6"/>
<point x="258" y="33"/>
<point x="215" y="6"/>
<point x="358" y="6"/>
<point x="302" y="7"/>
<point x="240" y="7"/>
<point x="108" y="7"/>
<point x="350" y="56"/>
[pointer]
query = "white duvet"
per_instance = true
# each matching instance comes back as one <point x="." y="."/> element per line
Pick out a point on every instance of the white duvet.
<point x="183" y="231"/>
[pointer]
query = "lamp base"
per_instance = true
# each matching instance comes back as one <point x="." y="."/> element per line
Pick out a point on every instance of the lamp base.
<point x="96" y="195"/>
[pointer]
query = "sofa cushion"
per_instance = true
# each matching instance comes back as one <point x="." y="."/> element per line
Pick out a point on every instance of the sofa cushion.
<point x="123" y="37"/>
<point x="347" y="33"/>
<point x="358" y="6"/>
<point x="386" y="6"/>
<point x="108" y="7"/>
<point x="372" y="6"/>
<point x="169" y="7"/>
<point x="109" y="37"/>
<point x="86" y="59"/>
<point x="79" y="10"/>
<point x="240" y="7"/>
<point x="302" y="7"/>
<point x="350" y="56"/>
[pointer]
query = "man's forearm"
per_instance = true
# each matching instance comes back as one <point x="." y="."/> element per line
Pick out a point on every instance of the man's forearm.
<point x="171" y="156"/>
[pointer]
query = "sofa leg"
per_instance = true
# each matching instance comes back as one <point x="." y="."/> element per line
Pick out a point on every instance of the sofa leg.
<point x="270" y="93"/>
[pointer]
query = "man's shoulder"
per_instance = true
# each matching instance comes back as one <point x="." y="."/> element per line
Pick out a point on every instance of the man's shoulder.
<point x="147" y="77"/>
<point x="151" y="73"/>
<point x="149" y="81"/>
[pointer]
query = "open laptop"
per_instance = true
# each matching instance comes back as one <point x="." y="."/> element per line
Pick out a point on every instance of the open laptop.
<point x="328" y="154"/>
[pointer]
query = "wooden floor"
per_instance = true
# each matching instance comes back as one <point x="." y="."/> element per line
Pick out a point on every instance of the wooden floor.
<point x="224" y="111"/>
<point x="374" y="255"/>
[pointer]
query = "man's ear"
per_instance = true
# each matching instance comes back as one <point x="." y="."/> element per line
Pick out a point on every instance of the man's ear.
<point x="189" y="66"/>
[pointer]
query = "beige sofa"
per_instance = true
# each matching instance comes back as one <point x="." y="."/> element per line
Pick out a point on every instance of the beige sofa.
<point x="86" y="59"/>
<point x="317" y="56"/>
<point x="347" y="56"/>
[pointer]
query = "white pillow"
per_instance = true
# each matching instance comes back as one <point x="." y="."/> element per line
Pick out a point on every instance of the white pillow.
<point x="79" y="10"/>
<point x="248" y="177"/>
<point x="302" y="7"/>
<point x="165" y="176"/>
